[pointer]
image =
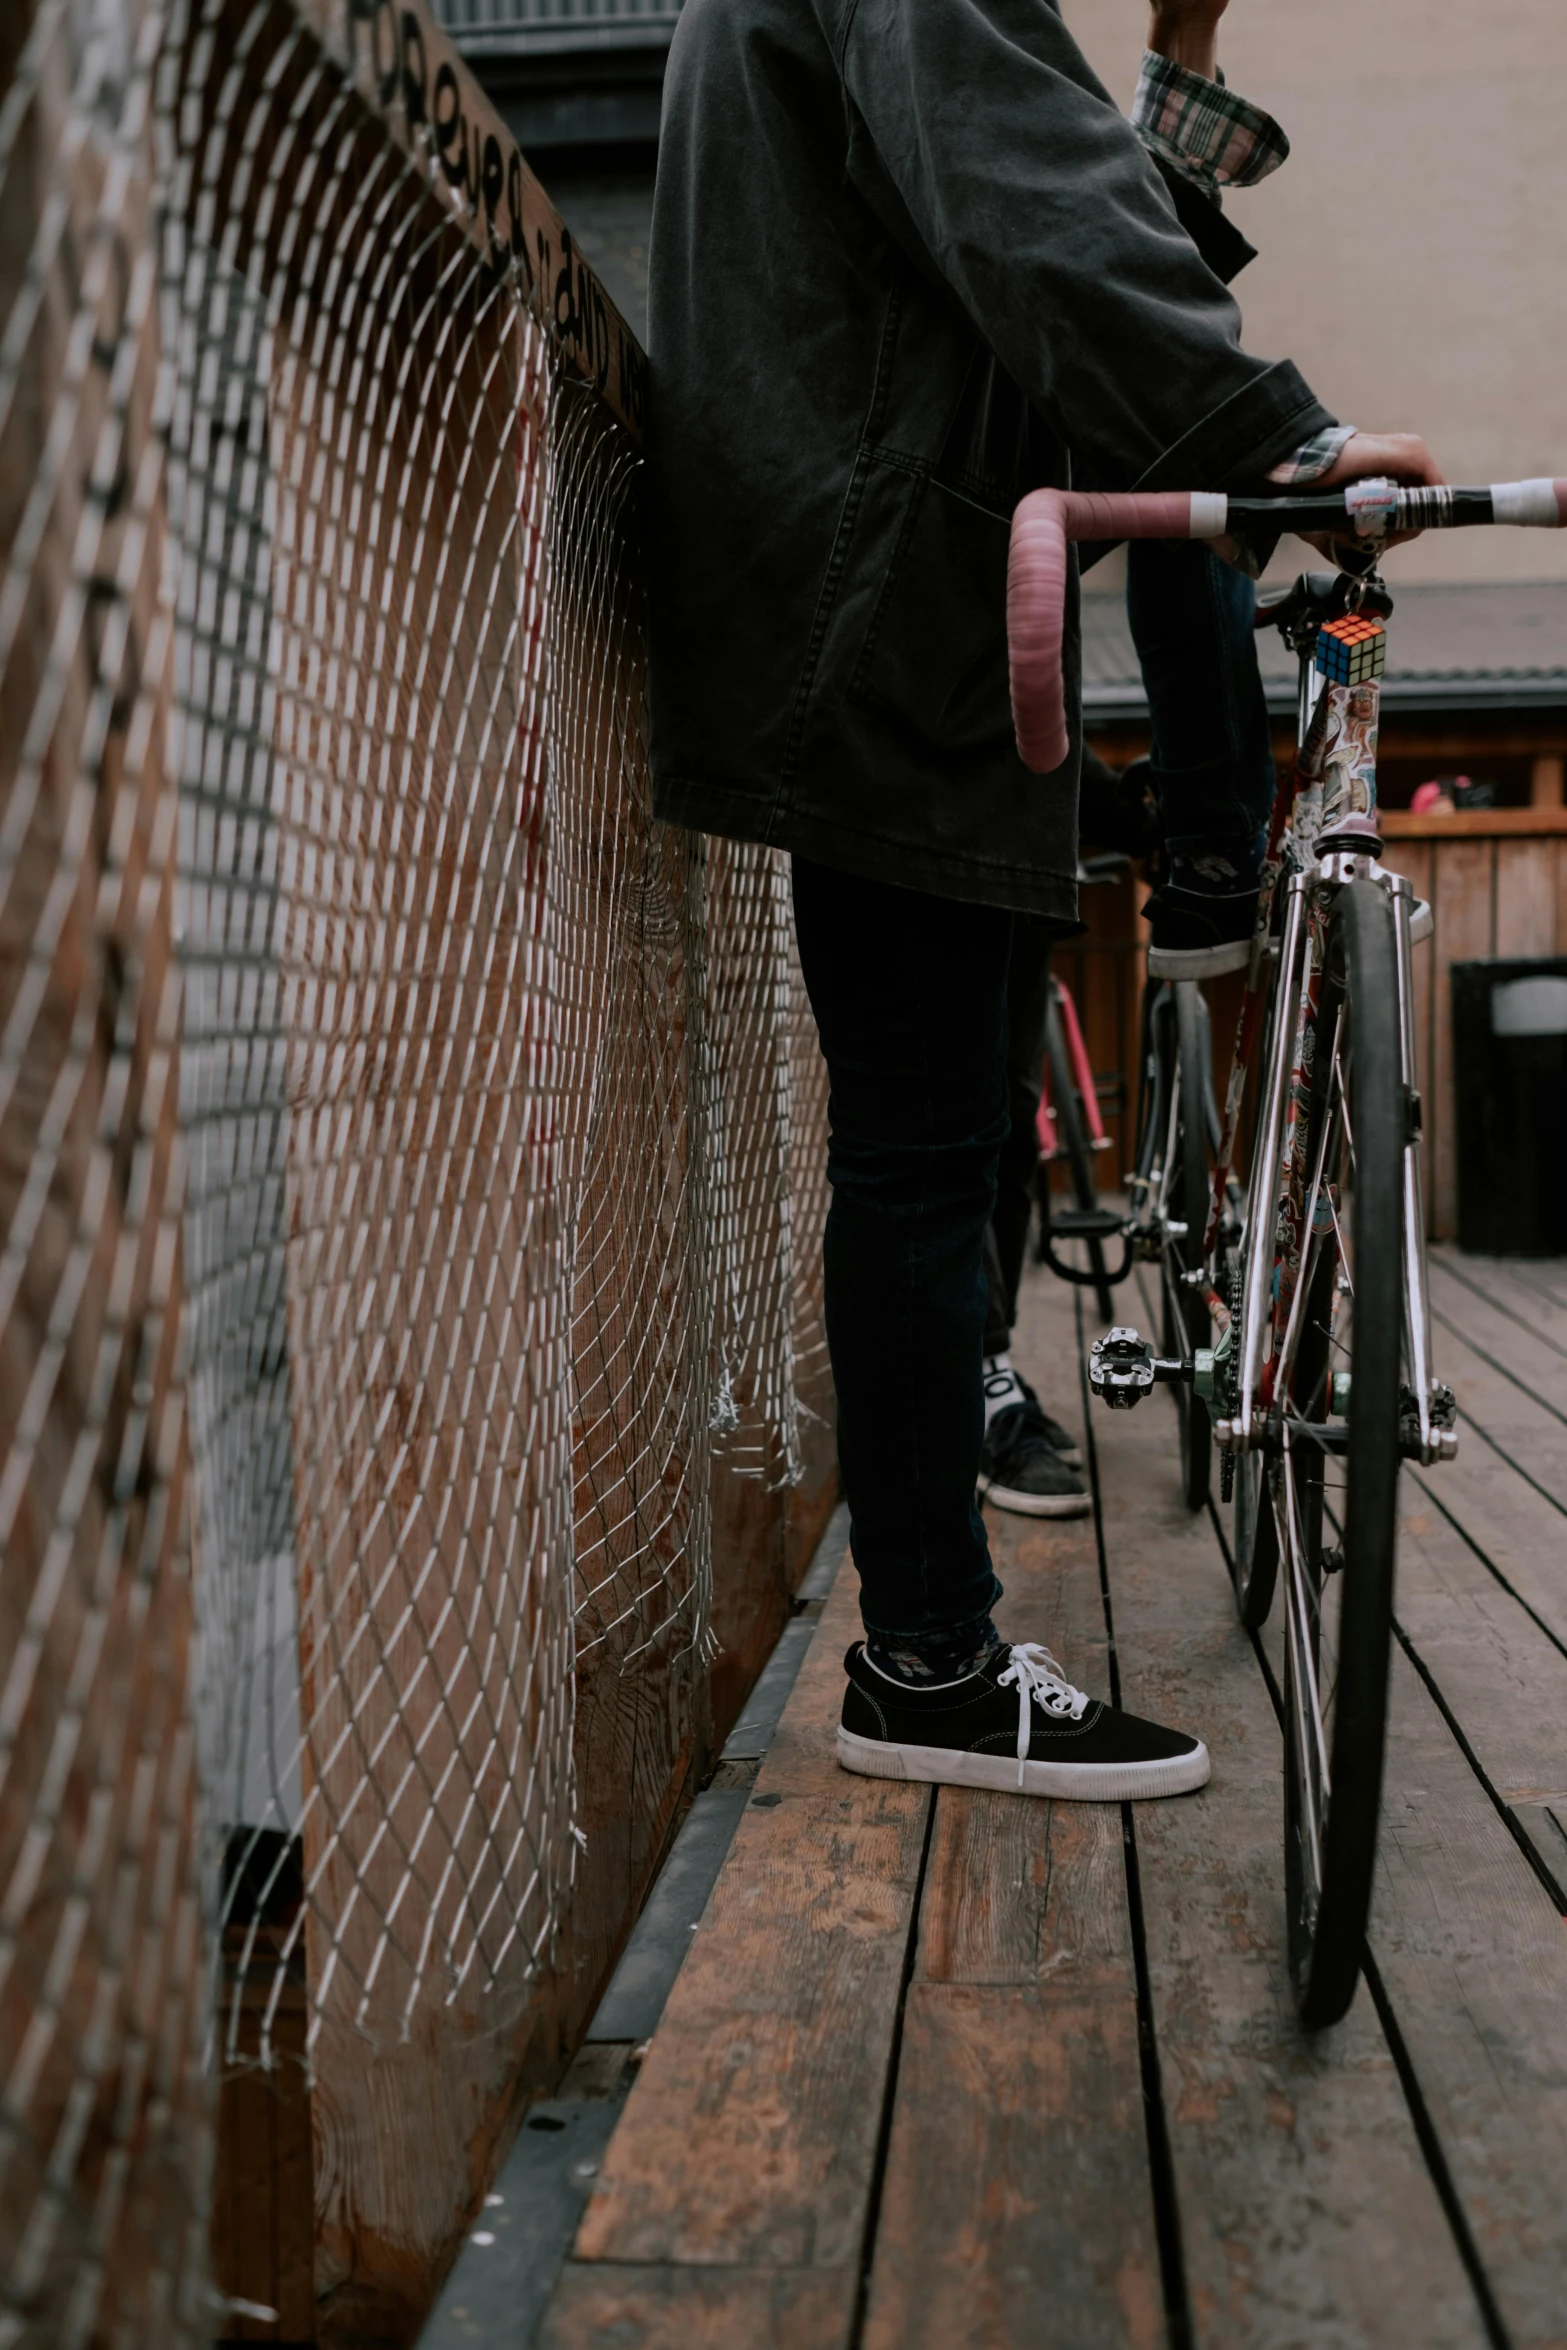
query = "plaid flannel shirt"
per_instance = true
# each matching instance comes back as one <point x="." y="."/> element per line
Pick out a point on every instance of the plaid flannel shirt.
<point x="1312" y="459"/>
<point x="1203" y="129"/>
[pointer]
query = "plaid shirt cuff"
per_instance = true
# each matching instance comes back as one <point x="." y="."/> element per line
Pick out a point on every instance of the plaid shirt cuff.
<point x="1312" y="459"/>
<point x="1204" y="129"/>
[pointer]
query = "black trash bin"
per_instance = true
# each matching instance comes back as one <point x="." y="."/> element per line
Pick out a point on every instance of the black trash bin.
<point x="1510" y="1074"/>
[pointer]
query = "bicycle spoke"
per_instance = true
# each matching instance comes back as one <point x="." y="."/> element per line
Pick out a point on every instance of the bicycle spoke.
<point x="1343" y="1095"/>
<point x="1311" y="1240"/>
<point x="1343" y="1251"/>
<point x="1314" y="1776"/>
<point x="1298" y="1582"/>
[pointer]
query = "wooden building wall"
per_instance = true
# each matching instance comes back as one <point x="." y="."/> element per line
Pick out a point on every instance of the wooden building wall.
<point x="1496" y="881"/>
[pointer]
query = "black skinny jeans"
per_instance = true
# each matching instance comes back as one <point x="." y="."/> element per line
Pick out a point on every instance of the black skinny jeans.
<point x="910" y="997"/>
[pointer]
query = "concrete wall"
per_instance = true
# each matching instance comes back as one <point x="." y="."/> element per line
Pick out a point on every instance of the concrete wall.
<point x="1411" y="254"/>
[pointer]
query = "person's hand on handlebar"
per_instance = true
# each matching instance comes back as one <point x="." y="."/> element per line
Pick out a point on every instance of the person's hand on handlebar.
<point x="1401" y="456"/>
<point x="1398" y="456"/>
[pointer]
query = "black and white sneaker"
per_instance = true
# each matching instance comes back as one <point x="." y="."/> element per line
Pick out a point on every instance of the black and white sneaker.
<point x="1005" y="1386"/>
<point x="1017" y="1724"/>
<point x="1021" y="1469"/>
<point x="1199" y="933"/>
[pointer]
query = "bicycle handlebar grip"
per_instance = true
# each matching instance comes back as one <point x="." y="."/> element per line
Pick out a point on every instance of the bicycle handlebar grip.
<point x="1542" y="504"/>
<point x="1036" y="590"/>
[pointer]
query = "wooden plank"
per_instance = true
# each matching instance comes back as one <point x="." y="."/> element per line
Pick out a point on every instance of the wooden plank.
<point x="1506" y="1310"/>
<point x="1511" y="1395"/>
<point x="1016" y="1891"/>
<point x="750" y="1590"/>
<point x="1473" y="824"/>
<point x="1471" y="736"/>
<point x="1474" y="1958"/>
<point x="1306" y="2208"/>
<point x="1503" y="1678"/>
<point x="1017" y="2184"/>
<point x="1526" y="897"/>
<point x="247" y="2118"/>
<point x="749" y="2139"/>
<point x="296" y="2286"/>
<point x="653" y="2308"/>
<point x="1461" y="902"/>
<point x="1530" y="1291"/>
<point x="1506" y="1521"/>
<point x="1468" y="1940"/>
<point x="1545" y="783"/>
<point x="1019" y="2084"/>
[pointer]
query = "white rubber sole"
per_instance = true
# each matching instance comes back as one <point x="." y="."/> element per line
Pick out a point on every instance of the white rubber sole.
<point x="1213" y="962"/>
<point x="1035" y="1505"/>
<point x="1198" y="962"/>
<point x="944" y="1766"/>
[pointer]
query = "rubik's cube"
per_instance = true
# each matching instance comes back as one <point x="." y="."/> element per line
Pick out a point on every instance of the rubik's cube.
<point x="1352" y="649"/>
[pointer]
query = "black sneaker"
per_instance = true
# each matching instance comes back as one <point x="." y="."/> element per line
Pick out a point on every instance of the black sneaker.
<point x="1016" y="1725"/>
<point x="1198" y="933"/>
<point x="1010" y="1381"/>
<point x="1021" y="1467"/>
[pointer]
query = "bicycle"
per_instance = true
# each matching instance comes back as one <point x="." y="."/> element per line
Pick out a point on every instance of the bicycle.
<point x="1320" y="1382"/>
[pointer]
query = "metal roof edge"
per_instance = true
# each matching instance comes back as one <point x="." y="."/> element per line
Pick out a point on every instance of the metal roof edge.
<point x="1477" y="693"/>
<point x="564" y="41"/>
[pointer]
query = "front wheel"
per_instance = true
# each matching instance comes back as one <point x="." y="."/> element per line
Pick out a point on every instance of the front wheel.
<point x="1333" y="1465"/>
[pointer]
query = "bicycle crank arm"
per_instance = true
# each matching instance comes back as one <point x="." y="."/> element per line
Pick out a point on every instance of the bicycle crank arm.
<point x="1123" y="1368"/>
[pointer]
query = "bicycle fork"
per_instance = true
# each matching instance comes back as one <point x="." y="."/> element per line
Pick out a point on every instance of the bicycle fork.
<point x="1269" y="1309"/>
<point x="1242" y="1377"/>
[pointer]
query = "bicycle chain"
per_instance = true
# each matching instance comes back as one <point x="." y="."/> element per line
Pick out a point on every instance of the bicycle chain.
<point x="1237" y="1285"/>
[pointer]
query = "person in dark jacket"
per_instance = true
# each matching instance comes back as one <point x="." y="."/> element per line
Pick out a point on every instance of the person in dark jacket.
<point x="908" y="263"/>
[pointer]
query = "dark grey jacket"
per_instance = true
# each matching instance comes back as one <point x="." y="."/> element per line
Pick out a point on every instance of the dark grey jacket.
<point x="906" y="254"/>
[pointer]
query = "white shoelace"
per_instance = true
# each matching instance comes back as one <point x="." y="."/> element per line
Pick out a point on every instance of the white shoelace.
<point x="1034" y="1673"/>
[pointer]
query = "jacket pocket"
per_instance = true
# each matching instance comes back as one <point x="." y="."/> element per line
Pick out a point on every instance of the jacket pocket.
<point x="935" y="655"/>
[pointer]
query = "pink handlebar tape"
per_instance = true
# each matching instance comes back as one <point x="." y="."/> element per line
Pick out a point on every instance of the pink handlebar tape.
<point x="1036" y="590"/>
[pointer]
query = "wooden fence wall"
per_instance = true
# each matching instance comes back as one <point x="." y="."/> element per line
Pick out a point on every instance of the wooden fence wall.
<point x="1496" y="881"/>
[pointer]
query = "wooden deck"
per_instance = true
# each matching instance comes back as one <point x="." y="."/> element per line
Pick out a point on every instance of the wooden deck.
<point x="966" y="2071"/>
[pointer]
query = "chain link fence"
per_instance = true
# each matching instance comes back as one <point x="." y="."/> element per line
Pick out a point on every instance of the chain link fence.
<point x="411" y="1170"/>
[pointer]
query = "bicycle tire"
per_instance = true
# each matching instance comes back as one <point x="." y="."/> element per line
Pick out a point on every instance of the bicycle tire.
<point x="1069" y="1126"/>
<point x="1186" y="1321"/>
<point x="1330" y="1820"/>
<point x="1254" y="1543"/>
